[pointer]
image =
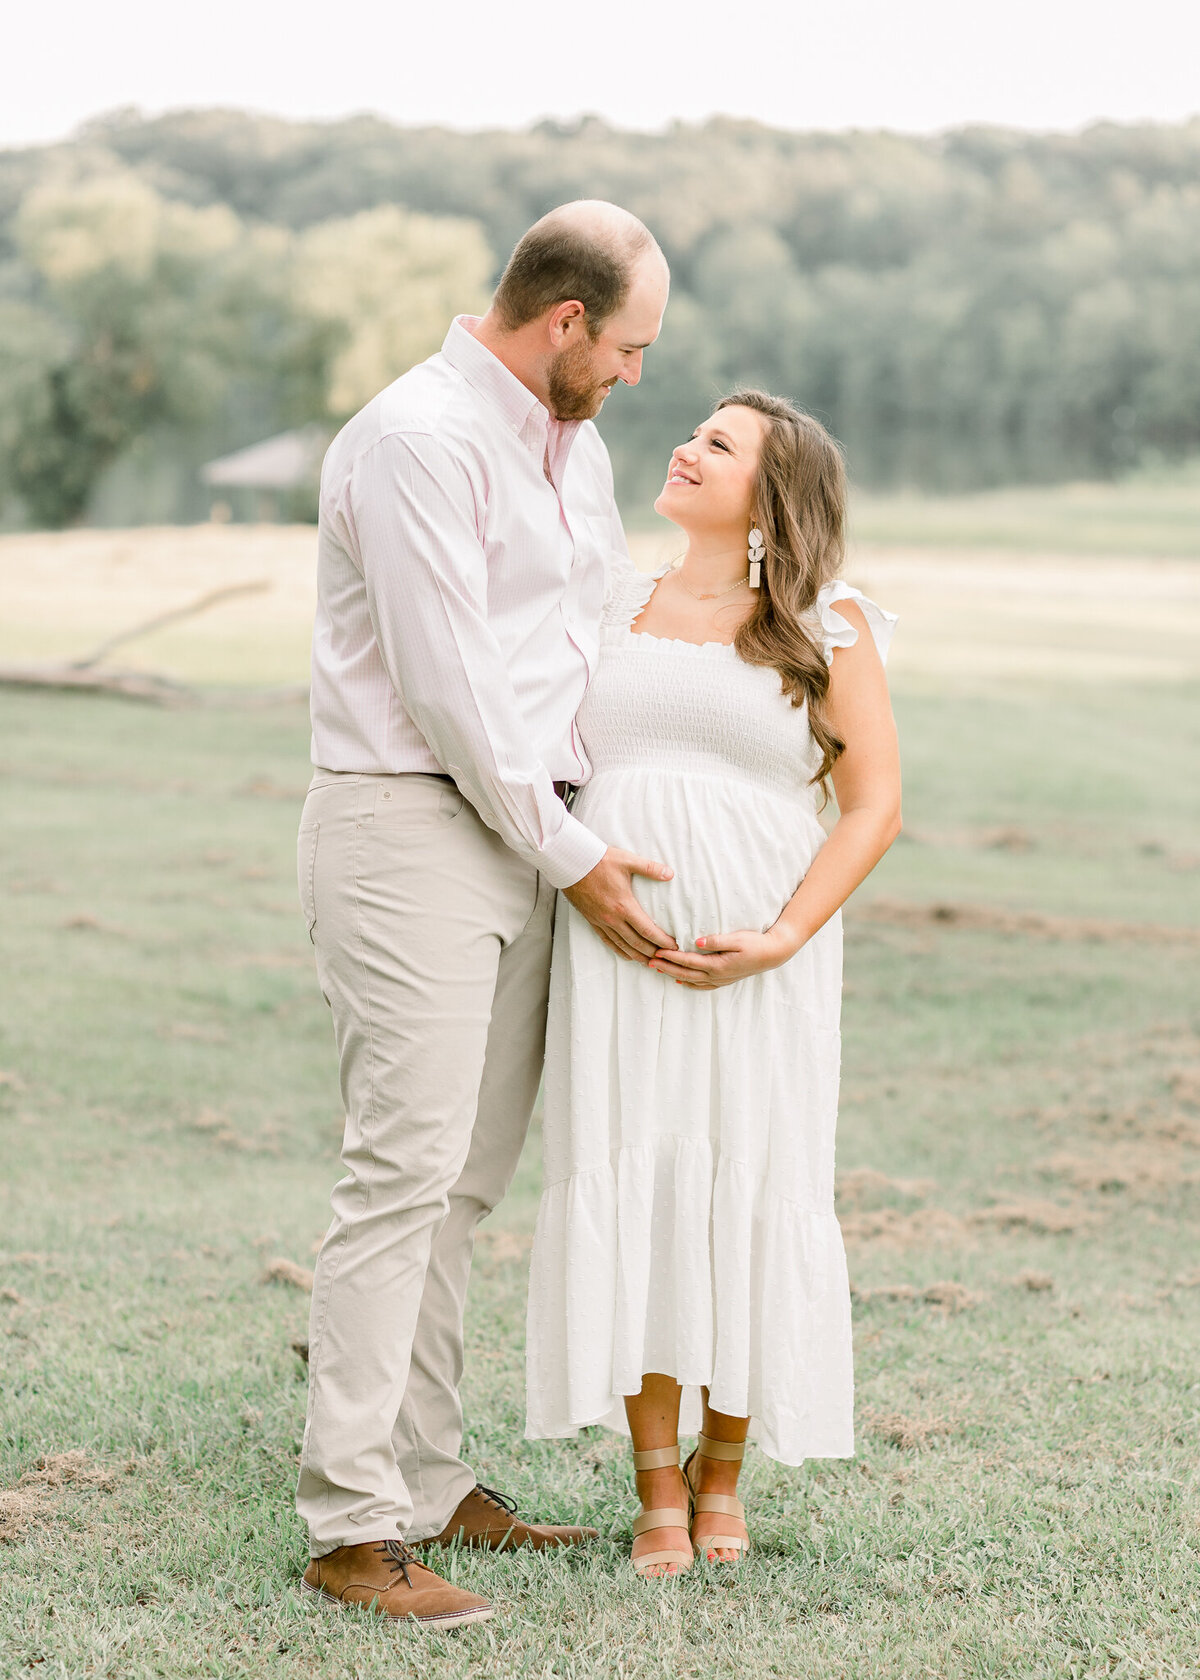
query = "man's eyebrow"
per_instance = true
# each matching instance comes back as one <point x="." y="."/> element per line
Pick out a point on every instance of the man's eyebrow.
<point x="645" y="346"/>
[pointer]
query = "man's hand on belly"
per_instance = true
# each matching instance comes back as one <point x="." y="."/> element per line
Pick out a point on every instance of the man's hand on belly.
<point x="605" y="897"/>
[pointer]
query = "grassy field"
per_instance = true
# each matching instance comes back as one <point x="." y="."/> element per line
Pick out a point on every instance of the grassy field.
<point x="1019" y="1175"/>
<point x="971" y="616"/>
<point x="1150" y="514"/>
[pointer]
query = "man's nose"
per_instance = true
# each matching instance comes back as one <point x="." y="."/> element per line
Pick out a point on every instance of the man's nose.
<point x="632" y="370"/>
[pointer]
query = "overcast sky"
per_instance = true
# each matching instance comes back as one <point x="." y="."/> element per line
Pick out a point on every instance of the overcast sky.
<point x="916" y="65"/>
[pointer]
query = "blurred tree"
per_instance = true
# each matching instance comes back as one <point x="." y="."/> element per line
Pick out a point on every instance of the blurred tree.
<point x="139" y="311"/>
<point x="387" y="282"/>
<point x="966" y="309"/>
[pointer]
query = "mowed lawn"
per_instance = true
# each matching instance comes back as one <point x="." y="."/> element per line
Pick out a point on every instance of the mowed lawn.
<point x="1019" y="1169"/>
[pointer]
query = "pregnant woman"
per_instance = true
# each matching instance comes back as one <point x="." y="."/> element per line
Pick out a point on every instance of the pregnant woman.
<point x="688" y="1267"/>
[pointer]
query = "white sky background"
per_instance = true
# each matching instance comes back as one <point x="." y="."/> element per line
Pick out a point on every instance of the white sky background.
<point x="915" y="65"/>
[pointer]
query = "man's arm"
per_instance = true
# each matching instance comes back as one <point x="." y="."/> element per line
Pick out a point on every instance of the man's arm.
<point x="413" y="507"/>
<point x="605" y="895"/>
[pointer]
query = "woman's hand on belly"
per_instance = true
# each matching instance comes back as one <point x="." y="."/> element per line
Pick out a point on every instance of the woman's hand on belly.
<point x="723" y="958"/>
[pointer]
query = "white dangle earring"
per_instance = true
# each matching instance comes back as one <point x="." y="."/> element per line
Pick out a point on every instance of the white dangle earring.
<point x="758" y="548"/>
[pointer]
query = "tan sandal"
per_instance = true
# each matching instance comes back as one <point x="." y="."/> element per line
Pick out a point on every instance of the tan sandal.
<point x="663" y="1516"/>
<point x="720" y="1503"/>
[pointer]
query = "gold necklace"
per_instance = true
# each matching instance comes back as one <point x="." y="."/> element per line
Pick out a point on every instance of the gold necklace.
<point x="716" y="594"/>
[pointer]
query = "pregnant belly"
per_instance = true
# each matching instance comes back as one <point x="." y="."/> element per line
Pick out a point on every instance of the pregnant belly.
<point x="738" y="851"/>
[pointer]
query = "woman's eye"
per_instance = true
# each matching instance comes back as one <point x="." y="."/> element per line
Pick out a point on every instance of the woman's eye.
<point x="717" y="444"/>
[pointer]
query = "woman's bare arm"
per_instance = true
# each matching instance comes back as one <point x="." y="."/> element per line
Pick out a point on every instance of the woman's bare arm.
<point x="866" y="780"/>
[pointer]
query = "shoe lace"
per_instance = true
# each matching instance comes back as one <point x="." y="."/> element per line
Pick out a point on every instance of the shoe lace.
<point x="399" y="1556"/>
<point x="500" y="1499"/>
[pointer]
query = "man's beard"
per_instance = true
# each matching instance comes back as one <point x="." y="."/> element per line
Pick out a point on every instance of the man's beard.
<point x="574" y="391"/>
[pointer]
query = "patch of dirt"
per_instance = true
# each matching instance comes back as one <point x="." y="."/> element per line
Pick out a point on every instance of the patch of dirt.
<point x="281" y="1270"/>
<point x="1184" y="1085"/>
<point x="1035" y="1282"/>
<point x="502" y="1248"/>
<point x="1010" y="838"/>
<point x="265" y="787"/>
<point x="1029" y="1214"/>
<point x="1149" y="1165"/>
<point x="904" y="1230"/>
<point x="951" y="1297"/>
<point x="217" y="1126"/>
<point x="983" y="918"/>
<point x="85" y="922"/>
<point x="221" y="1130"/>
<point x="861" y="1186"/>
<point x="918" y="1227"/>
<point x="39" y="1492"/>
<point x="900" y="1430"/>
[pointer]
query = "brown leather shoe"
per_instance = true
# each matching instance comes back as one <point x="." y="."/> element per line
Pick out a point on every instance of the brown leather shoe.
<point x="388" y="1577"/>
<point x="489" y="1519"/>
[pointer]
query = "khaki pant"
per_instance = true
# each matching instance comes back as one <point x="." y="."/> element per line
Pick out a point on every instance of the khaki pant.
<point x="433" y="953"/>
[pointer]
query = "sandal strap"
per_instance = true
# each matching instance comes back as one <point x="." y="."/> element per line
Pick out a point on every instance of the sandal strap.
<point x="664" y="1516"/>
<point x="722" y="1503"/>
<point x="656" y="1458"/>
<point x="731" y="1452"/>
<point x="684" y="1560"/>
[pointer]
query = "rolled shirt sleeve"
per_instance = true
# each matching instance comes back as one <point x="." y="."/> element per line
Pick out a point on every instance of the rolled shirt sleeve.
<point x="414" y="509"/>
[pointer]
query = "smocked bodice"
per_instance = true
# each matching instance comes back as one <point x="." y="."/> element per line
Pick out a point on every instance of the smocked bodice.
<point x="687" y="707"/>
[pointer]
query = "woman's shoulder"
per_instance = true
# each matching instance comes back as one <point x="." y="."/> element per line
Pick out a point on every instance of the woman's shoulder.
<point x="840" y="611"/>
<point x="628" y="592"/>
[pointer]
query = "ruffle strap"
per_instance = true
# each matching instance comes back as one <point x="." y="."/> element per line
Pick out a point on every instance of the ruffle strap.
<point x="628" y="591"/>
<point x="838" y="632"/>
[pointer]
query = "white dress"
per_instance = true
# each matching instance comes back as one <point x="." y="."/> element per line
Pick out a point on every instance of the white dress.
<point x="686" y="1224"/>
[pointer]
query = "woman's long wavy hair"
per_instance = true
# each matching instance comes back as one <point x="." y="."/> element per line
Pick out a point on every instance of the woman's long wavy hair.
<point x="800" y="507"/>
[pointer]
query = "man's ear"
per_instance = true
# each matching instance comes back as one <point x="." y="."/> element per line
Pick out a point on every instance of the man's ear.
<point x="567" y="321"/>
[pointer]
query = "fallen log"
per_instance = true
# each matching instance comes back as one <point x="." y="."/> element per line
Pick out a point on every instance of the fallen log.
<point x="130" y="685"/>
<point x="82" y="675"/>
<point x="174" y="616"/>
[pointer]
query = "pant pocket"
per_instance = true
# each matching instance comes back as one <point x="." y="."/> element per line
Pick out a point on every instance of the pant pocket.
<point x="306" y="867"/>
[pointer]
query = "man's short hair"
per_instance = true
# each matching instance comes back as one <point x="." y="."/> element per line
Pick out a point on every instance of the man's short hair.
<point x="553" y="264"/>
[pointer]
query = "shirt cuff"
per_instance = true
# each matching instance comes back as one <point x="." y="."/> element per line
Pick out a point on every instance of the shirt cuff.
<point x="573" y="853"/>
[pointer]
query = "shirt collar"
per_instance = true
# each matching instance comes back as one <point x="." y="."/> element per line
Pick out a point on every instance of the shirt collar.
<point x="488" y="374"/>
<point x="521" y="410"/>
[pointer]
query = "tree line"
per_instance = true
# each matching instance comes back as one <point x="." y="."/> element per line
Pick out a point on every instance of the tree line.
<point x="978" y="308"/>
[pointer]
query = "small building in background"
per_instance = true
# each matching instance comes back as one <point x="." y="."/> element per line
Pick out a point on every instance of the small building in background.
<point x="270" y="481"/>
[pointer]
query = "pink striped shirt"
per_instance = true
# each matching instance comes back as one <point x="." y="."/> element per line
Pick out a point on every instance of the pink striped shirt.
<point x="459" y="592"/>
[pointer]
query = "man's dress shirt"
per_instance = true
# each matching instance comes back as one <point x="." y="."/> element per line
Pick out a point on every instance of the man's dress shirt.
<point x="464" y="550"/>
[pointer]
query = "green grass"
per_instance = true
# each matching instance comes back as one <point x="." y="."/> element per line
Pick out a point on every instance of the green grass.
<point x="1149" y="515"/>
<point x="170" y="1122"/>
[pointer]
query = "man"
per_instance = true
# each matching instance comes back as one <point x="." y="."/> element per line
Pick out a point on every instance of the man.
<point x="467" y="528"/>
